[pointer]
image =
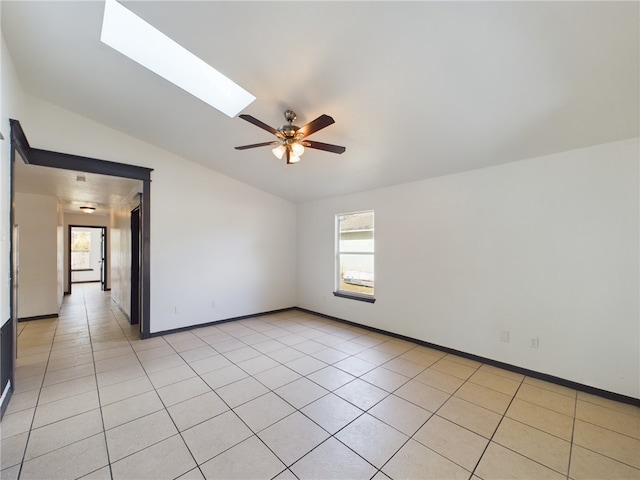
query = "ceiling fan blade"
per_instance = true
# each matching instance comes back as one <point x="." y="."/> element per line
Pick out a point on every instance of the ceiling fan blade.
<point x="327" y="147"/>
<point x="259" y="123"/>
<point x="254" y="145"/>
<point x="318" y="124"/>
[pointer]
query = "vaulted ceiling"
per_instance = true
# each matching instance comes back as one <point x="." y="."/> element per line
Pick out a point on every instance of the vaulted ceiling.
<point x="417" y="89"/>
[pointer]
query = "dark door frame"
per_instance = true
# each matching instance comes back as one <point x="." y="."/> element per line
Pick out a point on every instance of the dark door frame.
<point x="103" y="247"/>
<point x="134" y="316"/>
<point x="103" y="259"/>
<point x="47" y="158"/>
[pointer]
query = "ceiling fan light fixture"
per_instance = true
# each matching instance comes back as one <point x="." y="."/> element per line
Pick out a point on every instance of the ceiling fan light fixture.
<point x="292" y="139"/>
<point x="279" y="151"/>
<point x="88" y="209"/>
<point x="297" y="149"/>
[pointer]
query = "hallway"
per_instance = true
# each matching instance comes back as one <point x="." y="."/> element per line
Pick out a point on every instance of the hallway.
<point x="288" y="395"/>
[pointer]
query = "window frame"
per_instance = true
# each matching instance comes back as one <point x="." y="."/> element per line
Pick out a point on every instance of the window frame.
<point x="363" y="297"/>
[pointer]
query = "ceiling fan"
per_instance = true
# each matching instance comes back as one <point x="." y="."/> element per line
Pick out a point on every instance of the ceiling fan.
<point x="292" y="139"/>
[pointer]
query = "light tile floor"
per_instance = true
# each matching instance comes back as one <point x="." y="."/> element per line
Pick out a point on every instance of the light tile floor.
<point x="289" y="395"/>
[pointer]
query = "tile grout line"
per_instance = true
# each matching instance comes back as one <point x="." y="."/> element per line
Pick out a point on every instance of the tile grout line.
<point x="514" y="451"/>
<point x="35" y="409"/>
<point x="431" y="416"/>
<point x="230" y="409"/>
<point x="104" y="429"/>
<point x="364" y="412"/>
<point x="296" y="409"/>
<point x="573" y="432"/>
<point x="255" y="434"/>
<point x="409" y="437"/>
<point x="484" y="451"/>
<point x="166" y="409"/>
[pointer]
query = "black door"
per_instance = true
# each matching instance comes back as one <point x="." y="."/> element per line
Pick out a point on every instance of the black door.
<point x="103" y="259"/>
<point x="135" y="266"/>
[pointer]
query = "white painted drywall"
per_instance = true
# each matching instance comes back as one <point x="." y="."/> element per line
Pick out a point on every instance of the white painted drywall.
<point x="37" y="219"/>
<point x="10" y="107"/>
<point x="546" y="247"/>
<point x="219" y="248"/>
<point x="121" y="256"/>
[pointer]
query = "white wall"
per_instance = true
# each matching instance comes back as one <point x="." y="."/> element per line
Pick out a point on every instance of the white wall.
<point x="121" y="252"/>
<point x="546" y="247"/>
<point x="225" y="249"/>
<point x="233" y="255"/>
<point x="37" y="219"/>
<point x="10" y="107"/>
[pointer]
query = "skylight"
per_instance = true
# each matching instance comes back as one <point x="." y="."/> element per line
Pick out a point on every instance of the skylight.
<point x="130" y="35"/>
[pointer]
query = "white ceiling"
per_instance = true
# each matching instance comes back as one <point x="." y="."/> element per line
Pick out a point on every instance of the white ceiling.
<point x="417" y="89"/>
<point x="75" y="189"/>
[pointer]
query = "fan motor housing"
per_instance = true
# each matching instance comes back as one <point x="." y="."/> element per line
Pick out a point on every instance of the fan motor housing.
<point x="288" y="131"/>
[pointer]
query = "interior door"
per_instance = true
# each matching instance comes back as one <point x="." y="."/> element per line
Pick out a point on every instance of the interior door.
<point x="135" y="266"/>
<point x="103" y="259"/>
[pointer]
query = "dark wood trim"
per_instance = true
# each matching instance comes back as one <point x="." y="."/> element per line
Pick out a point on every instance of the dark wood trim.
<point x="19" y="144"/>
<point x="145" y="283"/>
<point x="38" y="317"/>
<point x="66" y="161"/>
<point x="353" y="296"/>
<point x="19" y="141"/>
<point x="218" y="322"/>
<point x="83" y="270"/>
<point x="495" y="363"/>
<point x="85" y="281"/>
<point x="69" y="270"/>
<point x="135" y="303"/>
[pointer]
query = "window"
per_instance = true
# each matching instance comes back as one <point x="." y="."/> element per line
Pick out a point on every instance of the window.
<point x="133" y="37"/>
<point x="355" y="256"/>
<point x="80" y="250"/>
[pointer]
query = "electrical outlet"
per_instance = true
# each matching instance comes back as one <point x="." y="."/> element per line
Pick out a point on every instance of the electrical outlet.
<point x="533" y="343"/>
<point x="504" y="336"/>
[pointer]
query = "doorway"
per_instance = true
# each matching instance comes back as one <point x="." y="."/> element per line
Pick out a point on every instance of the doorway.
<point x="87" y="256"/>
<point x="20" y="149"/>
